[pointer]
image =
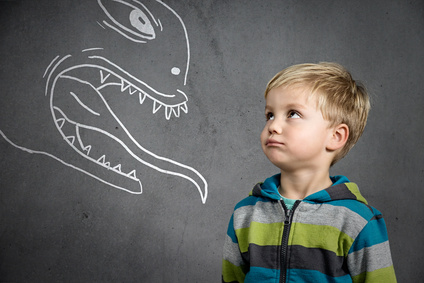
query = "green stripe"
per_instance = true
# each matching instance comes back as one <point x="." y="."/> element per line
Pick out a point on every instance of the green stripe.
<point x="353" y="188"/>
<point x="383" y="275"/>
<point x="233" y="273"/>
<point x="320" y="236"/>
<point x="261" y="234"/>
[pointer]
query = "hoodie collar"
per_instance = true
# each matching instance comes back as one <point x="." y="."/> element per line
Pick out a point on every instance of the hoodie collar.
<point x="342" y="188"/>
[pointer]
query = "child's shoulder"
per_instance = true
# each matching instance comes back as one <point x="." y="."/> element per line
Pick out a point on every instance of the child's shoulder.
<point x="258" y="196"/>
<point x="250" y="201"/>
<point x="346" y="196"/>
<point x="364" y="210"/>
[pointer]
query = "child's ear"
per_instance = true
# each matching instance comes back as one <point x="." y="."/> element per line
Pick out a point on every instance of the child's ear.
<point x="339" y="137"/>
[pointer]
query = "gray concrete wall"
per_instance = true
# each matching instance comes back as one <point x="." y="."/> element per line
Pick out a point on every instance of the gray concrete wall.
<point x="66" y="217"/>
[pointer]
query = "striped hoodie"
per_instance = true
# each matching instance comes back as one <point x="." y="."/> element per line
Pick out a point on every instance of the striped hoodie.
<point x="330" y="236"/>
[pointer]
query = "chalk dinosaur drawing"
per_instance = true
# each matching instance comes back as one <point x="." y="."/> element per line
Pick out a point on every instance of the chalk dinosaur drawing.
<point x="79" y="86"/>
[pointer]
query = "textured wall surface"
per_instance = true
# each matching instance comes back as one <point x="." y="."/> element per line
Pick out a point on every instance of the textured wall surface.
<point x="73" y="130"/>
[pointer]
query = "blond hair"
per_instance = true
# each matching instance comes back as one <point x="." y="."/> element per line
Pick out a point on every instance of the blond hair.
<point x="341" y="99"/>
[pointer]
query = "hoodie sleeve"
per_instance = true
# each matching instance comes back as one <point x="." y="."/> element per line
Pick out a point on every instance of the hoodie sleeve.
<point x="233" y="265"/>
<point x="369" y="258"/>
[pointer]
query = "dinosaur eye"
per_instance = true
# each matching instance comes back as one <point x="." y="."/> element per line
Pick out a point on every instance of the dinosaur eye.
<point x="132" y="20"/>
<point x="141" y="22"/>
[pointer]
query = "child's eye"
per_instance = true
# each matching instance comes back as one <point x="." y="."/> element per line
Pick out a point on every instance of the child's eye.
<point x="269" y="116"/>
<point x="293" y="114"/>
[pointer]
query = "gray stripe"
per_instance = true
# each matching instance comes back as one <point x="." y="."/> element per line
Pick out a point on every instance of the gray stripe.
<point x="340" y="191"/>
<point x="377" y="217"/>
<point x="370" y="259"/>
<point x="340" y="217"/>
<point x="262" y="212"/>
<point x="324" y="261"/>
<point x="264" y="256"/>
<point x="256" y="190"/>
<point x="232" y="252"/>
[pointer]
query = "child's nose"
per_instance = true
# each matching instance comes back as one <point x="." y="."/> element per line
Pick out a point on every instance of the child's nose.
<point x="275" y="127"/>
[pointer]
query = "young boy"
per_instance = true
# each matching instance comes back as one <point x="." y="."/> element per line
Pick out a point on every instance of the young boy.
<point x="302" y="225"/>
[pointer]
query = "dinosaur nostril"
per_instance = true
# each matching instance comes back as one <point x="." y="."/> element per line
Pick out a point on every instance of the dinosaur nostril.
<point x="175" y="71"/>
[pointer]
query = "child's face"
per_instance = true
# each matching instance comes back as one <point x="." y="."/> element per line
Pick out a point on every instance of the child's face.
<point x="295" y="135"/>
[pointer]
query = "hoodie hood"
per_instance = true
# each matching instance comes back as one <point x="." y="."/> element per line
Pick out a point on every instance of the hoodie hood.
<point x="341" y="189"/>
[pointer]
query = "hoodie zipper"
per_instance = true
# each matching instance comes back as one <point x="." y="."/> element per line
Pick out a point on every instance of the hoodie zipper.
<point x="285" y="240"/>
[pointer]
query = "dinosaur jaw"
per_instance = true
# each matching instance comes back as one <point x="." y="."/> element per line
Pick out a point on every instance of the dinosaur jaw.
<point x="142" y="94"/>
<point x="78" y="137"/>
<point x="103" y="74"/>
<point x="82" y="105"/>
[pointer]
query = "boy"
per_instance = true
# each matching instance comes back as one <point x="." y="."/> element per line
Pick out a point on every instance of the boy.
<point x="302" y="225"/>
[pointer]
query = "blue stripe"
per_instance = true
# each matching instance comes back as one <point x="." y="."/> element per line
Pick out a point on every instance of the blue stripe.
<point x="374" y="233"/>
<point x="269" y="188"/>
<point x="320" y="196"/>
<point x="260" y="274"/>
<point x="272" y="183"/>
<point x="339" y="179"/>
<point x="230" y="231"/>
<point x="247" y="201"/>
<point x="375" y="211"/>
<point x="313" y="276"/>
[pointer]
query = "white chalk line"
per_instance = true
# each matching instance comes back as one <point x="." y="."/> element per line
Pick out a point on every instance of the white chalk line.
<point x="69" y="165"/>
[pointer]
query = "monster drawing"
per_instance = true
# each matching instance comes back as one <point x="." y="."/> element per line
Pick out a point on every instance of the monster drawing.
<point x="80" y="85"/>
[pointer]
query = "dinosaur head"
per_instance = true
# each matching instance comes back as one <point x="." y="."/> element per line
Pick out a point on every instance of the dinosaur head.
<point x="158" y="39"/>
<point x="82" y="84"/>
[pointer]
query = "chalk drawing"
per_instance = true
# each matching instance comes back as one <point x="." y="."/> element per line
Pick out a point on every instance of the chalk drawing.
<point x="84" y="110"/>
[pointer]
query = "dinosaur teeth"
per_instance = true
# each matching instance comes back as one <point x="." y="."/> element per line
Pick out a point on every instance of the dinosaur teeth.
<point x="132" y="91"/>
<point x="132" y="174"/>
<point x="156" y="106"/>
<point x="184" y="107"/>
<point x="70" y="139"/>
<point x="124" y="85"/>
<point x="142" y="97"/>
<point x="127" y="86"/>
<point x="60" y="122"/>
<point x="102" y="159"/>
<point x="117" y="168"/>
<point x="176" y="111"/>
<point x="103" y="76"/>
<point x="88" y="149"/>
<point x="168" y="112"/>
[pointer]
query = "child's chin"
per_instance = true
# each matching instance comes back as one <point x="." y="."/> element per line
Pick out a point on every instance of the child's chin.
<point x="278" y="163"/>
